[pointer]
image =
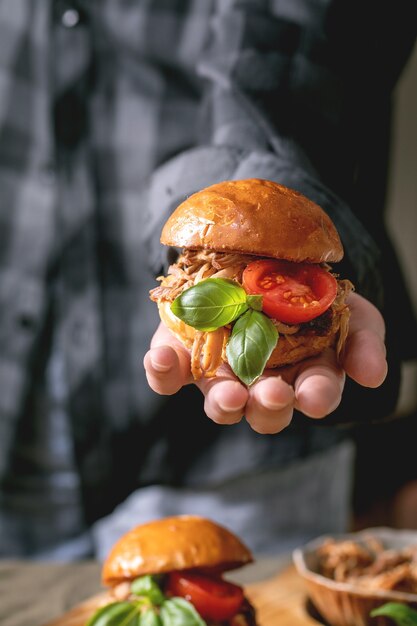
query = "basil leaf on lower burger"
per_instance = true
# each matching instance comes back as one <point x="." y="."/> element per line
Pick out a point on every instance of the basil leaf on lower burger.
<point x="252" y="342"/>
<point x="115" y="614"/>
<point x="146" y="586"/>
<point x="150" y="618"/>
<point x="210" y="304"/>
<point x="179" y="612"/>
<point x="401" y="614"/>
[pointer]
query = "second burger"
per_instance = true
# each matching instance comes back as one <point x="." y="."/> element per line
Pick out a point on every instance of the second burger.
<point x="169" y="572"/>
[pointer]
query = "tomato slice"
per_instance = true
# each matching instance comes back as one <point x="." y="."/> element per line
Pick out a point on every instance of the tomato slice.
<point x="292" y="292"/>
<point x="214" y="598"/>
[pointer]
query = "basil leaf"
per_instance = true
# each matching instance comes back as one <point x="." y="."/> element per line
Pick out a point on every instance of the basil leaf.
<point x="179" y="612"/>
<point x="402" y="614"/>
<point x="212" y="303"/>
<point x="150" y="618"/>
<point x="148" y="587"/>
<point x="252" y="341"/>
<point x="255" y="302"/>
<point x="116" y="614"/>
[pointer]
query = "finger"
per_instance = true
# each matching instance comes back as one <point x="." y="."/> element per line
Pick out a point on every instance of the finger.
<point x="364" y="356"/>
<point x="225" y="397"/>
<point x="319" y="385"/>
<point x="167" y="367"/>
<point x="167" y="363"/>
<point x="365" y="359"/>
<point x="270" y="406"/>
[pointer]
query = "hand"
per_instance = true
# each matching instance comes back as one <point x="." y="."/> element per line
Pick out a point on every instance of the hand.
<point x="314" y="386"/>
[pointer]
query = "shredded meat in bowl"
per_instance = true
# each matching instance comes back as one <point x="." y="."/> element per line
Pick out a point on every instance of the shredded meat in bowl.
<point x="369" y="564"/>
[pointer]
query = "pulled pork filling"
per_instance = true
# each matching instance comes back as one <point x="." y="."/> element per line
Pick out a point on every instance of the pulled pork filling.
<point x="208" y="348"/>
<point x="195" y="265"/>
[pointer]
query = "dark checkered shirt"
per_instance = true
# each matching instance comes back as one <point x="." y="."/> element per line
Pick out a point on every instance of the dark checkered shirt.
<point x="111" y="113"/>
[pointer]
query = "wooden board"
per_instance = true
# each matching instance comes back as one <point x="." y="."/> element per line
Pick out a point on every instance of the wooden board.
<point x="279" y="601"/>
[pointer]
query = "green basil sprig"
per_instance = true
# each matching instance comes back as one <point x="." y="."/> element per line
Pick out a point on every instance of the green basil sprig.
<point x="149" y="608"/>
<point x="179" y="612"/>
<point x="252" y="341"/>
<point x="216" y="302"/>
<point x="212" y="303"/>
<point x="116" y="614"/>
<point x="150" y="618"/>
<point x="402" y="614"/>
<point x="146" y="586"/>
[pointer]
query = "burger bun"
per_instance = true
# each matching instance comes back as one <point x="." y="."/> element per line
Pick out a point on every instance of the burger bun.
<point x="254" y="216"/>
<point x="174" y="543"/>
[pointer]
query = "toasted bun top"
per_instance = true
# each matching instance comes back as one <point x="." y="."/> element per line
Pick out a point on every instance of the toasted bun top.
<point x="174" y="543"/>
<point x="254" y="216"/>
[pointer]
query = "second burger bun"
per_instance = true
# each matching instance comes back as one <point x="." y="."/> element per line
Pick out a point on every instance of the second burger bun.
<point x="171" y="544"/>
<point x="254" y="216"/>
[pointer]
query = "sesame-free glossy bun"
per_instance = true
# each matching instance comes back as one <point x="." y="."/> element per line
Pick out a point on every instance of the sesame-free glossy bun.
<point x="174" y="543"/>
<point x="254" y="216"/>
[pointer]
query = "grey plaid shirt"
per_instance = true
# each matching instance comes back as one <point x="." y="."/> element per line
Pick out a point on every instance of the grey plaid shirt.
<point x="111" y="113"/>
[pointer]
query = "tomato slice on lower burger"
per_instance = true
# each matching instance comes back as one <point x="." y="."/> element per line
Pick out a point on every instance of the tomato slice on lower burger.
<point x="291" y="292"/>
<point x="214" y="598"/>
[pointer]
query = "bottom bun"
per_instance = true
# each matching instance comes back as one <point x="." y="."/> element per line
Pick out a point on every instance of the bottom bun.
<point x="288" y="351"/>
<point x="300" y="346"/>
<point x="180" y="329"/>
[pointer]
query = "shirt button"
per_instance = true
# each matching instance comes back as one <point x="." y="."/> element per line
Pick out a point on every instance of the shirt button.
<point x="70" y="18"/>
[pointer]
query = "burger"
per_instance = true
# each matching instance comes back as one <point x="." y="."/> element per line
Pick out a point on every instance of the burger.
<point x="252" y="285"/>
<point x="170" y="571"/>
